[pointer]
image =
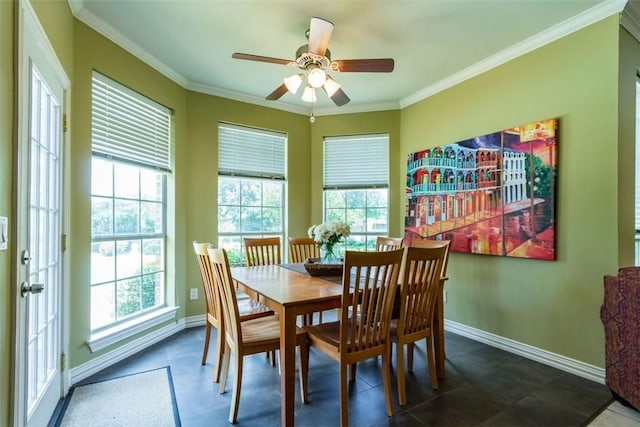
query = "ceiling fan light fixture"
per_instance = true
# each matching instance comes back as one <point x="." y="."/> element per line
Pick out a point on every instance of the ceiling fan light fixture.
<point x="316" y="77"/>
<point x="331" y="86"/>
<point x="313" y="60"/>
<point x="309" y="94"/>
<point x="293" y="82"/>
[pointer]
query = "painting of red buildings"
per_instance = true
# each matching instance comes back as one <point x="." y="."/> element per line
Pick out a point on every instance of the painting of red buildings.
<point x="492" y="194"/>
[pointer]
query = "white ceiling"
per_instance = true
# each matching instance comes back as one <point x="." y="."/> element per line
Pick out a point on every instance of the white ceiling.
<point x="435" y="43"/>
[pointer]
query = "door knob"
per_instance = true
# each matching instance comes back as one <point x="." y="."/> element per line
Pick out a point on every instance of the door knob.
<point x="26" y="288"/>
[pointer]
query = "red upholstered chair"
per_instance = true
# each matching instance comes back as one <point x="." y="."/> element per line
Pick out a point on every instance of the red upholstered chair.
<point x="620" y="315"/>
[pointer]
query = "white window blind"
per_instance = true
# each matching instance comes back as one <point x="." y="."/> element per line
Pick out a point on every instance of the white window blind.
<point x="358" y="161"/>
<point x="249" y="152"/>
<point x="127" y="126"/>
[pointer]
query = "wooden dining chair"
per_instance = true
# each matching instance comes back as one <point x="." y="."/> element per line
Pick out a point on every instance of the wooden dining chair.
<point x="418" y="293"/>
<point x="243" y="338"/>
<point x="262" y="251"/>
<point x="439" y="314"/>
<point x="432" y="243"/>
<point x="362" y="331"/>
<point x="247" y="308"/>
<point x="388" y="243"/>
<point x="302" y="248"/>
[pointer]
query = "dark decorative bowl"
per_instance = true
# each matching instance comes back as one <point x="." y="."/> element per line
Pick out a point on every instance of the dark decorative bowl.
<point x="315" y="268"/>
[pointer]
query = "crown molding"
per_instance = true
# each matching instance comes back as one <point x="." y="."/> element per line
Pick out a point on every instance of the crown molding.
<point x="571" y="25"/>
<point x="322" y="111"/>
<point x="243" y="97"/>
<point x="357" y="108"/>
<point x="76" y="6"/>
<point x="83" y="14"/>
<point x="86" y="16"/>
<point x="630" y="20"/>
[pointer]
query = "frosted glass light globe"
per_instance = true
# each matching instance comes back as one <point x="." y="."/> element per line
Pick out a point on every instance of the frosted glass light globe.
<point x="316" y="78"/>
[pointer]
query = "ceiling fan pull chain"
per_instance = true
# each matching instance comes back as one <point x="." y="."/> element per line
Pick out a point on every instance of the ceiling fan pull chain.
<point x="312" y="118"/>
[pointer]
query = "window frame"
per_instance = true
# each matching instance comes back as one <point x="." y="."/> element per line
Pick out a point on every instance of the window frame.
<point x="233" y="141"/>
<point x="239" y="233"/>
<point x="151" y="136"/>
<point x="337" y="148"/>
<point x="115" y="238"/>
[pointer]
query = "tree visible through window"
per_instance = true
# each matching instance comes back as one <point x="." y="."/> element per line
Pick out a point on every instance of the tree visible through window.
<point x="364" y="210"/>
<point x="356" y="180"/>
<point x="250" y="187"/>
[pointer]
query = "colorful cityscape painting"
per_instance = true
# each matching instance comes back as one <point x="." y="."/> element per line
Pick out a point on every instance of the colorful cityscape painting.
<point x="492" y="194"/>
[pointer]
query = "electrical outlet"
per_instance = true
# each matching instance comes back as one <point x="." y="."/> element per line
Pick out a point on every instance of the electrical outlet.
<point x="3" y="233"/>
<point x="194" y="293"/>
<point x="444" y="296"/>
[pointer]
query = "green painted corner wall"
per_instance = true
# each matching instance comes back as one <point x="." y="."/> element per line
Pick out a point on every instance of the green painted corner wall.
<point x="205" y="113"/>
<point x="628" y="75"/>
<point x="94" y="52"/>
<point x="552" y="305"/>
<point x="6" y="191"/>
<point x="355" y="124"/>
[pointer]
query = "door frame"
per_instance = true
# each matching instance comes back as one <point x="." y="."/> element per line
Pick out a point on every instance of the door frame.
<point x="26" y="23"/>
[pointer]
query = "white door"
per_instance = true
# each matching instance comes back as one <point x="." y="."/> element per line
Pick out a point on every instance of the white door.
<point x="38" y="226"/>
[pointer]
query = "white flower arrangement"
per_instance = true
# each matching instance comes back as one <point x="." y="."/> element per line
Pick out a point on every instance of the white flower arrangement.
<point x="329" y="233"/>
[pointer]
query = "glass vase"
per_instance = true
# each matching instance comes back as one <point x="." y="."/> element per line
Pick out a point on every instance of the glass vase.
<point x="327" y="255"/>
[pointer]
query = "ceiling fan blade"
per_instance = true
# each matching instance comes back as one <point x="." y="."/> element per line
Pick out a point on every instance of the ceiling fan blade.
<point x="380" y="65"/>
<point x="258" y="58"/>
<point x="340" y="98"/>
<point x="319" y="34"/>
<point x="277" y="94"/>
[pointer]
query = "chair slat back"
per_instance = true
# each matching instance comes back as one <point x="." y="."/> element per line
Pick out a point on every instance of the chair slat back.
<point x="419" y="288"/>
<point x="224" y="281"/>
<point x="431" y="243"/>
<point x="371" y="277"/>
<point x="301" y="248"/>
<point x="208" y="280"/>
<point x="262" y="251"/>
<point x="388" y="243"/>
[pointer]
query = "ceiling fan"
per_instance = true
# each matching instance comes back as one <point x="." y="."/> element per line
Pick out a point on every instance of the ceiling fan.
<point x="314" y="60"/>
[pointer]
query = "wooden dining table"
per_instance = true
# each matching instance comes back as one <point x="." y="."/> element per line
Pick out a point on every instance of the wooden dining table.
<point x="290" y="291"/>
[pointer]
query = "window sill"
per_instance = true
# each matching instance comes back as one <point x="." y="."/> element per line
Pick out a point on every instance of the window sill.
<point x="110" y="336"/>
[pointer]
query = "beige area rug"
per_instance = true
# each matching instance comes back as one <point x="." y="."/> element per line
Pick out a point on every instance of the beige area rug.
<point x="145" y="399"/>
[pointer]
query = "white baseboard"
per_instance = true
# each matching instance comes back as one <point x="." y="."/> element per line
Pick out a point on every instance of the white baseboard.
<point x="194" y="321"/>
<point x="99" y="363"/>
<point x="563" y="363"/>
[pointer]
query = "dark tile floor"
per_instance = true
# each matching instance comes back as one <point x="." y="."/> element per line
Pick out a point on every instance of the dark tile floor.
<point x="485" y="386"/>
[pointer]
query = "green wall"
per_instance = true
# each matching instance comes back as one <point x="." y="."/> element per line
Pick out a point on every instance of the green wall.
<point x="94" y="52"/>
<point x="629" y="66"/>
<point x="205" y="112"/>
<point x="6" y="187"/>
<point x="552" y="305"/>
<point x="354" y="124"/>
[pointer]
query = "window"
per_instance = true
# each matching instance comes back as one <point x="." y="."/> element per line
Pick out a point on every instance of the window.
<point x="131" y="141"/>
<point x="356" y="181"/>
<point x="251" y="168"/>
